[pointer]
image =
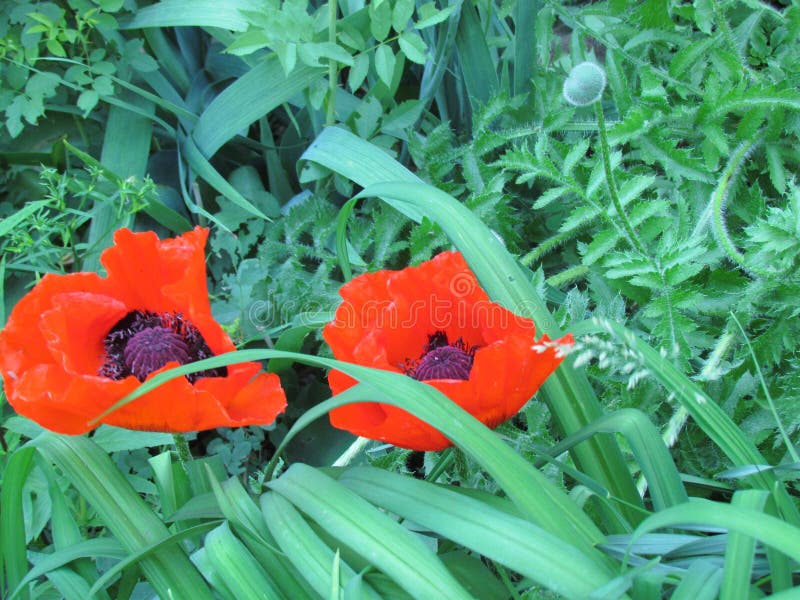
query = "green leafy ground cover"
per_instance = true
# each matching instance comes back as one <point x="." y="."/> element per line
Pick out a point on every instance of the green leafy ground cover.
<point x="660" y="225"/>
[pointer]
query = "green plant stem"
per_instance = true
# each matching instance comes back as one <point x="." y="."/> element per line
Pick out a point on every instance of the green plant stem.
<point x="330" y="115"/>
<point x="605" y="149"/>
<point x="182" y="447"/>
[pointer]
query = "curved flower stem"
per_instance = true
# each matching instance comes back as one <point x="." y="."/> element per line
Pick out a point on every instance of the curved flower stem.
<point x="182" y="447"/>
<point x="605" y="149"/>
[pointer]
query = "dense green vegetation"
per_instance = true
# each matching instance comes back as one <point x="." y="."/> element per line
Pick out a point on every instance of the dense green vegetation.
<point x="648" y="206"/>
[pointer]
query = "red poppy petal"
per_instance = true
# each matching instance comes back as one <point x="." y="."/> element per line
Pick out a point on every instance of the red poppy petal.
<point x="76" y="326"/>
<point x="259" y="398"/>
<point x="159" y="275"/>
<point x="21" y="342"/>
<point x="63" y="402"/>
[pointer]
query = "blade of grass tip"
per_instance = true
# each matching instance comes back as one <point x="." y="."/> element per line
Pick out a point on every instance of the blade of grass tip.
<point x="374" y="535"/>
<point x="567" y="391"/>
<point x="708" y="416"/>
<point x="12" y="520"/>
<point x="124" y="512"/>
<point x="739" y="552"/>
<point x="126" y="148"/>
<point x="533" y="493"/>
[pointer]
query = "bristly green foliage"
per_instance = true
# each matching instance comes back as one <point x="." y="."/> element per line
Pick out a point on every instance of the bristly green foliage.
<point x="165" y="114"/>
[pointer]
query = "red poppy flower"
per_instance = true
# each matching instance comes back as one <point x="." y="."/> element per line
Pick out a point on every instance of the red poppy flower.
<point x="434" y="323"/>
<point x="78" y="343"/>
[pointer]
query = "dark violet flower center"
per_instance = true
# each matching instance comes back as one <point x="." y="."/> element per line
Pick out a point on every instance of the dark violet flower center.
<point x="143" y="342"/>
<point x="152" y="348"/>
<point x="442" y="360"/>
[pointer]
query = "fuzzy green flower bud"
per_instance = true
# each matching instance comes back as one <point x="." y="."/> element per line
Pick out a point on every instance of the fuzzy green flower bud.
<point x="585" y="84"/>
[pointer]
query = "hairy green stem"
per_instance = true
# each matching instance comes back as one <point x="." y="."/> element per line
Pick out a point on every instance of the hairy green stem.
<point x="717" y="207"/>
<point x="605" y="149"/>
<point x="182" y="447"/>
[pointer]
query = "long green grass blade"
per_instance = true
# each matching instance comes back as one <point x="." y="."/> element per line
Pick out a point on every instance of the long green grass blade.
<point x="513" y="542"/>
<point x="259" y="91"/>
<point x="122" y="510"/>
<point x="247" y="522"/>
<point x="705" y="513"/>
<point x="477" y="66"/>
<point x="739" y="552"/>
<point x="198" y="13"/>
<point x="203" y="169"/>
<point x="652" y="456"/>
<point x="525" y="44"/>
<point x="371" y="533"/>
<point x="12" y="521"/>
<point x="236" y="567"/>
<point x="132" y="559"/>
<point x="307" y="552"/>
<point x="701" y="582"/>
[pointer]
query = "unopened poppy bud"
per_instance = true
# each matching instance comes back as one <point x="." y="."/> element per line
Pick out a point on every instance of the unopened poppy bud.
<point x="585" y="84"/>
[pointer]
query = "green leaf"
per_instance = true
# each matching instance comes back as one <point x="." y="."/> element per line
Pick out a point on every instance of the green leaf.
<point x="12" y="520"/>
<point x="699" y="512"/>
<point x="401" y="14"/>
<point x="380" y="19"/>
<point x="429" y="15"/>
<point x="87" y="101"/>
<point x="384" y="63"/>
<point x="358" y="72"/>
<point x="414" y="47"/>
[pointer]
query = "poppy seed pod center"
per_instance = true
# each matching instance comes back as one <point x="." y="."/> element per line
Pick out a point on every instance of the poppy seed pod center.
<point x="142" y="342"/>
<point x="442" y="360"/>
<point x="447" y="362"/>
<point x="152" y="348"/>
